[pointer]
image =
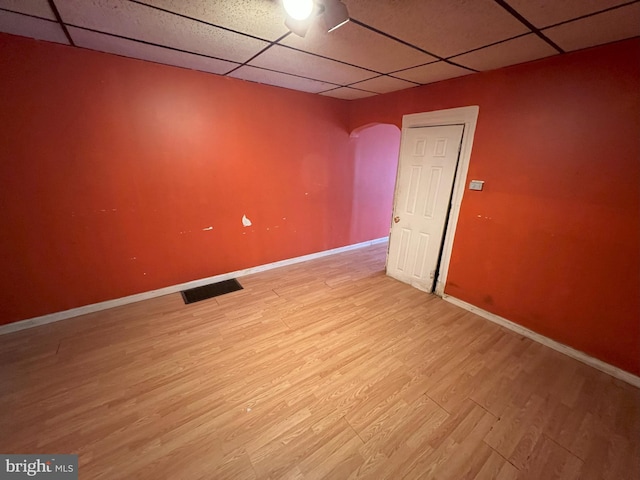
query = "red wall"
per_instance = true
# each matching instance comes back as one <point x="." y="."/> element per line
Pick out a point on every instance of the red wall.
<point x="112" y="169"/>
<point x="553" y="242"/>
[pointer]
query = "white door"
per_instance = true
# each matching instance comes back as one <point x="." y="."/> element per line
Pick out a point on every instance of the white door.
<point x="426" y="171"/>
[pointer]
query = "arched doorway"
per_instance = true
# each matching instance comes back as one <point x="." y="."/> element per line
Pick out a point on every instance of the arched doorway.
<point x="375" y="149"/>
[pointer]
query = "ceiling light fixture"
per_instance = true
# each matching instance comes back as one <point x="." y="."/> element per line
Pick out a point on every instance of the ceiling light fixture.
<point x="298" y="9"/>
<point x="335" y="14"/>
<point x="300" y="14"/>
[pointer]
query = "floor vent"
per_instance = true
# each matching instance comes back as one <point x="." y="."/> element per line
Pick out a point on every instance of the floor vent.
<point x="209" y="291"/>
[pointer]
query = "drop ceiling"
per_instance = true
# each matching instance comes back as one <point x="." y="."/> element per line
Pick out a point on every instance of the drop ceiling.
<point x="388" y="45"/>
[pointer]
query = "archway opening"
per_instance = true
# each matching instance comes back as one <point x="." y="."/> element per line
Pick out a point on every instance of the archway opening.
<point x="375" y="161"/>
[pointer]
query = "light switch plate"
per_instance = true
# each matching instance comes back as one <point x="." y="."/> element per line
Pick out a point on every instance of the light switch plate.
<point x="476" y="184"/>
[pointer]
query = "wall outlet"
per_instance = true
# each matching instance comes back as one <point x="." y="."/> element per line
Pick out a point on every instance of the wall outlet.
<point x="476" y="184"/>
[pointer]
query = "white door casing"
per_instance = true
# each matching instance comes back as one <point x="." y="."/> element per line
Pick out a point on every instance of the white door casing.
<point x="467" y="116"/>
<point x="428" y="161"/>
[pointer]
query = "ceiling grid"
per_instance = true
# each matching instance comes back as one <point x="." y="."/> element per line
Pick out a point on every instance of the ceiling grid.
<point x="387" y="45"/>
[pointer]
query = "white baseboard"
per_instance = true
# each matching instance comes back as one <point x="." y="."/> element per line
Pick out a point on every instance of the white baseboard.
<point x="571" y="352"/>
<point x="96" y="307"/>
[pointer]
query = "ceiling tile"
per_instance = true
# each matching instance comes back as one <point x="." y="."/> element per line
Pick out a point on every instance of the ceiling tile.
<point x="346" y="93"/>
<point x="130" y="48"/>
<point x="359" y="46"/>
<point x="161" y="28"/>
<point x="522" y="49"/>
<point x="384" y="84"/>
<point x="261" y="18"/>
<point x="279" y="79"/>
<point x="287" y="60"/>
<point x="606" y="27"/>
<point x="543" y="13"/>
<point x="38" y="8"/>
<point x="352" y="55"/>
<point x="18" y="24"/>
<point x="433" y="72"/>
<point x="443" y="28"/>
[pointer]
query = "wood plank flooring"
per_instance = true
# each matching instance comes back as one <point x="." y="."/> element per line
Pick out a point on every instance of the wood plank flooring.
<point x="327" y="369"/>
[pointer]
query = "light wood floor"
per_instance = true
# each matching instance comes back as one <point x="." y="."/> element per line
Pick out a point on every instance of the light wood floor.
<point x="327" y="369"/>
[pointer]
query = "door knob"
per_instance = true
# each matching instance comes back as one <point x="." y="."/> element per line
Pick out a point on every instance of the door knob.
<point x="396" y="219"/>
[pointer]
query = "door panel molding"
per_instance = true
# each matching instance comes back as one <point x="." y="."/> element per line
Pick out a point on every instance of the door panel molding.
<point x="467" y="116"/>
<point x="424" y="187"/>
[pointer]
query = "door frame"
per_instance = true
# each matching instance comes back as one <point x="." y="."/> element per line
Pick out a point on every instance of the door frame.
<point x="467" y="116"/>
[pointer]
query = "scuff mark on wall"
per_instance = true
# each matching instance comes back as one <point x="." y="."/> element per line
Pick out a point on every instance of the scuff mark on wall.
<point x="207" y="229"/>
<point x="245" y="221"/>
